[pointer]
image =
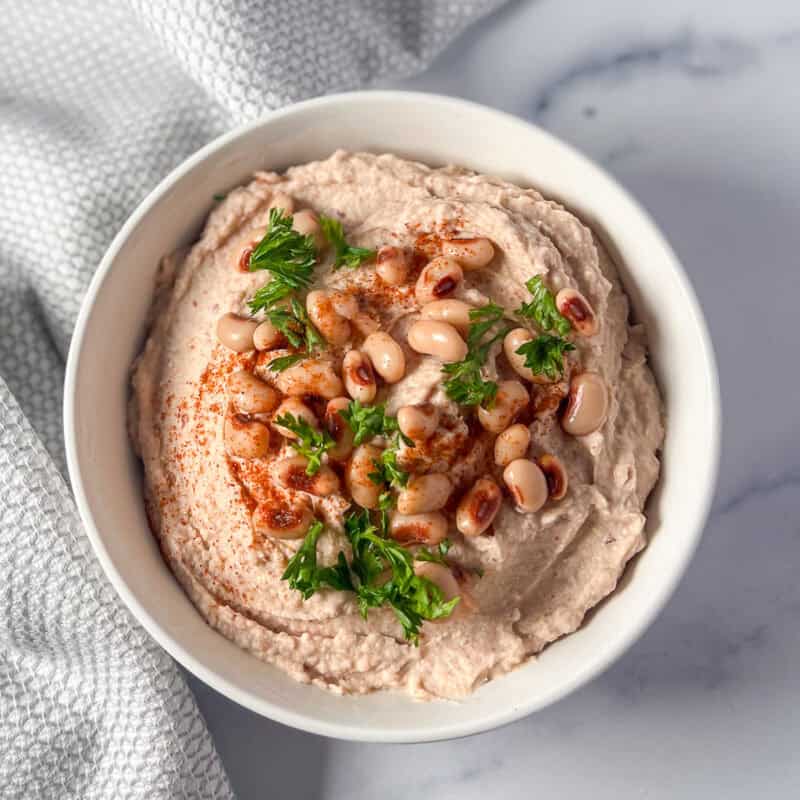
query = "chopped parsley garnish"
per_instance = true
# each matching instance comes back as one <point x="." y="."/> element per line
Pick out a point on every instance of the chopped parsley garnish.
<point x="412" y="597"/>
<point x="288" y="255"/>
<point x="466" y="384"/>
<point x="284" y="362"/>
<point x="544" y="354"/>
<point x="437" y="555"/>
<point x="387" y="470"/>
<point x="303" y="573"/>
<point x="542" y="309"/>
<point x="345" y="255"/>
<point x="219" y="197"/>
<point x="293" y="322"/>
<point x="311" y="442"/>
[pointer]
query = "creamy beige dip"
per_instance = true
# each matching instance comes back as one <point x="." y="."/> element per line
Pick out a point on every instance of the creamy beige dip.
<point x="541" y="572"/>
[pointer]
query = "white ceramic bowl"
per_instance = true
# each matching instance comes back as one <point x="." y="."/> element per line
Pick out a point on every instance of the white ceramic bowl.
<point x="437" y="130"/>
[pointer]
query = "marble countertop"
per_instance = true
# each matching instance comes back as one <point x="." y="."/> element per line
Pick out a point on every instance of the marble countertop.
<point x="689" y="104"/>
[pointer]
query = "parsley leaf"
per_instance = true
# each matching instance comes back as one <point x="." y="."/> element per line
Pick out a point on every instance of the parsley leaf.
<point x="345" y="254"/>
<point x="294" y="324"/>
<point x="284" y="362"/>
<point x="466" y="384"/>
<point x="311" y="442"/>
<point x="413" y="598"/>
<point x="388" y="470"/>
<point x="437" y="555"/>
<point x="369" y="421"/>
<point x="288" y="255"/>
<point x="306" y="577"/>
<point x="542" y="309"/>
<point x="544" y="354"/>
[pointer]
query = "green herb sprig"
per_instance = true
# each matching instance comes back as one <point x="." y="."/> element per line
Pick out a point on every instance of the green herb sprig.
<point x="311" y="442"/>
<point x="542" y="309"/>
<point x="544" y="354"/>
<point x="466" y="384"/>
<point x="345" y="255"/>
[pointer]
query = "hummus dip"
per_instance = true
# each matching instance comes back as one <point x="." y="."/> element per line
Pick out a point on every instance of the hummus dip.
<point x="541" y="520"/>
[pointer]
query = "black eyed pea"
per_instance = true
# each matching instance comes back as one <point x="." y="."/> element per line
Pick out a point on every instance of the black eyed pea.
<point x="424" y="493"/>
<point x="277" y="521"/>
<point x="587" y="405"/>
<point x="312" y="376"/>
<point x="576" y="308"/>
<point x="455" y="312"/>
<point x="306" y="222"/>
<point x="364" y="491"/>
<point x="291" y="473"/>
<point x="250" y="395"/>
<point x="236" y="333"/>
<point x="337" y="427"/>
<point x="470" y="253"/>
<point x="322" y="313"/>
<point x="266" y="336"/>
<point x="511" y="343"/>
<point x="358" y="377"/>
<point x="244" y="437"/>
<point x="419" y="422"/>
<point x="392" y="265"/>
<point x="511" y="444"/>
<point x="439" y="279"/>
<point x="527" y="484"/>
<point x="298" y="409"/>
<point x="428" y="528"/>
<point x="438" y="339"/>
<point x="479" y="507"/>
<point x="511" y="398"/>
<point x="386" y="355"/>
<point x="555" y="475"/>
<point x="282" y="201"/>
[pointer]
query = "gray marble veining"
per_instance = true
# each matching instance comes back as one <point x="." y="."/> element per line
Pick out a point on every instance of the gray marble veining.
<point x="694" y="107"/>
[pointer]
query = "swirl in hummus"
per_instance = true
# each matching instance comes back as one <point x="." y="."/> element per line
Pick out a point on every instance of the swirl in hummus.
<point x="535" y="469"/>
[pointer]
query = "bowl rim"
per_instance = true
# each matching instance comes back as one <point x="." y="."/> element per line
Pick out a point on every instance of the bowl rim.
<point x="341" y="730"/>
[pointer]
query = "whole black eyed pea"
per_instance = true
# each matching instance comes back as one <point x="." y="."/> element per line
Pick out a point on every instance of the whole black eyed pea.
<point x="438" y="339"/>
<point x="364" y="491"/>
<point x="511" y="398"/>
<point x="244" y="437"/>
<point x="236" y="333"/>
<point x="337" y="427"/>
<point x="386" y="355"/>
<point x="331" y="324"/>
<point x="576" y="308"/>
<point x="266" y="336"/>
<point x="250" y="395"/>
<point x="358" y="377"/>
<point x="299" y="410"/>
<point x="392" y="265"/>
<point x="311" y="376"/>
<point x="277" y="521"/>
<point x="292" y="473"/>
<point x="428" y="528"/>
<point x="511" y="444"/>
<point x="418" y="422"/>
<point x="439" y="279"/>
<point x="555" y="474"/>
<point x="424" y="493"/>
<point x="527" y="484"/>
<point x="470" y="253"/>
<point x="479" y="507"/>
<point x="587" y="406"/>
<point x="454" y="312"/>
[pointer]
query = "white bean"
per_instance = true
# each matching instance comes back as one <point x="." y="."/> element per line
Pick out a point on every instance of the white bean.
<point x="588" y="404"/>
<point x="312" y="376"/>
<point x="454" y="312"/>
<point x="511" y="398"/>
<point x="440" y="278"/>
<point x="470" y="253"/>
<point x="251" y="395"/>
<point x="245" y="437"/>
<point x="392" y="265"/>
<point x="429" y="528"/>
<point x="307" y="223"/>
<point x="359" y="379"/>
<point x="527" y="484"/>
<point x="555" y="474"/>
<point x="424" y="493"/>
<point x="511" y="343"/>
<point x="299" y="410"/>
<point x="511" y="444"/>
<point x="418" y="422"/>
<point x="332" y="325"/>
<point x="386" y="355"/>
<point x="437" y="339"/>
<point x="479" y="507"/>
<point x="576" y="308"/>
<point x="291" y="473"/>
<point x="338" y="428"/>
<point x="236" y="333"/>
<point x="266" y="336"/>
<point x="364" y="491"/>
<point x="282" y="522"/>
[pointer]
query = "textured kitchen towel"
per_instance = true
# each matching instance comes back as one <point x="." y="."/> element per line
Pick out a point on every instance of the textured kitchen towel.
<point x="98" y="101"/>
